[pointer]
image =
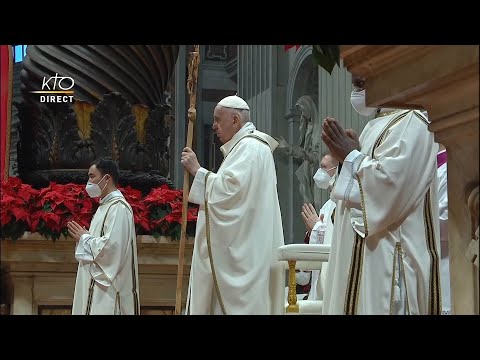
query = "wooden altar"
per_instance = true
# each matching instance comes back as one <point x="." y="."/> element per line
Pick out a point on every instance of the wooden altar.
<point x="41" y="274"/>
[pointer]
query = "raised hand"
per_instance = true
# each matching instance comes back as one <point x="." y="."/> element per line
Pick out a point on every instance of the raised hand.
<point x="309" y="216"/>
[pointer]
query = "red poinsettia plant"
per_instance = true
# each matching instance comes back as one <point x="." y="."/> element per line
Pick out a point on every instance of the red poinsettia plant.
<point x="57" y="205"/>
<point x="17" y="205"/>
<point x="48" y="210"/>
<point x="140" y="211"/>
<point x="165" y="208"/>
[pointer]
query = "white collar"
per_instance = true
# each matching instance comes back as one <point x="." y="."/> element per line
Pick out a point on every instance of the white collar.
<point x="248" y="127"/>
<point x="114" y="193"/>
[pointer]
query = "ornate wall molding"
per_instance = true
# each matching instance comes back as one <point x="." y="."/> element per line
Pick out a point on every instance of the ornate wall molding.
<point x="303" y="53"/>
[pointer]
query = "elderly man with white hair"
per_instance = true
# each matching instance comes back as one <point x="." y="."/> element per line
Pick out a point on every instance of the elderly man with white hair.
<point x="239" y="226"/>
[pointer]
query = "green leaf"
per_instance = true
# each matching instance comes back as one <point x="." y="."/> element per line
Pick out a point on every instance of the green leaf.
<point x="45" y="231"/>
<point x="326" y="56"/>
<point x="14" y="230"/>
<point x="332" y="52"/>
<point x="176" y="231"/>
<point x="156" y="234"/>
<point x="159" y="212"/>
<point x="191" y="227"/>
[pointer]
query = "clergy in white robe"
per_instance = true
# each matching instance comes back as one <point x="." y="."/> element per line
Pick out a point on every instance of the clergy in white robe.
<point x="318" y="235"/>
<point x="240" y="216"/>
<point x="321" y="232"/>
<point x="385" y="256"/>
<point x="324" y="178"/>
<point x="107" y="275"/>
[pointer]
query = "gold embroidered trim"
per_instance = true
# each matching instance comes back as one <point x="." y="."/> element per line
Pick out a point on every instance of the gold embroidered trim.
<point x="379" y="114"/>
<point x="134" y="277"/>
<point x="402" y="270"/>
<point x="354" y="276"/>
<point x="392" y="288"/>
<point x="364" y="210"/>
<point x="398" y="258"/>
<point x="90" y="295"/>
<point x="434" y="295"/>
<point x="381" y="138"/>
<point x="209" y="246"/>
<point x="423" y="118"/>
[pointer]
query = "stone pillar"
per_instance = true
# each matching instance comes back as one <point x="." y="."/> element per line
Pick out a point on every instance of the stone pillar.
<point x="262" y="82"/>
<point x="444" y="80"/>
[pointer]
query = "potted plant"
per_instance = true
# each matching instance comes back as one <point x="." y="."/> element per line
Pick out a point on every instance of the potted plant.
<point x="165" y="213"/>
<point x="140" y="211"/>
<point x="48" y="210"/>
<point x="18" y="203"/>
<point x="57" y="205"/>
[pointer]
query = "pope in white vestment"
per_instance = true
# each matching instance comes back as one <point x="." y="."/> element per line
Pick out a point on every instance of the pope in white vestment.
<point x="385" y="257"/>
<point x="107" y="275"/>
<point x="242" y="219"/>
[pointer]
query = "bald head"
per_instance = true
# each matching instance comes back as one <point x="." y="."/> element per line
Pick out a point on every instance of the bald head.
<point x="329" y="163"/>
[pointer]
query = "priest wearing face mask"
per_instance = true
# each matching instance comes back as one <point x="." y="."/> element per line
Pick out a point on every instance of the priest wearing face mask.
<point x="107" y="275"/>
<point x="239" y="226"/>
<point x="319" y="226"/>
<point x="385" y="256"/>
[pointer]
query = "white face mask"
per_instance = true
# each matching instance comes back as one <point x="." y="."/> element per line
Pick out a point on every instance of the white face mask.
<point x="322" y="179"/>
<point x="358" y="102"/>
<point x="93" y="190"/>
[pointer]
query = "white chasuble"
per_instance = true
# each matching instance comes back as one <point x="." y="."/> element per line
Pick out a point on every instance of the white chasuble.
<point x="245" y="228"/>
<point x="107" y="276"/>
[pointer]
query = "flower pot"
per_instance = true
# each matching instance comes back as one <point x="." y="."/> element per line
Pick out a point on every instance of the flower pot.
<point x="165" y="239"/>
<point x="146" y="239"/>
<point x="27" y="235"/>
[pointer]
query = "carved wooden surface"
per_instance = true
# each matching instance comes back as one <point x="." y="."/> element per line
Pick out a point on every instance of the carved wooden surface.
<point x="42" y="273"/>
<point x="59" y="142"/>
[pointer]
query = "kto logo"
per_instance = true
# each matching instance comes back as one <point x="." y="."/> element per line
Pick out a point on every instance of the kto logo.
<point x="56" y="85"/>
